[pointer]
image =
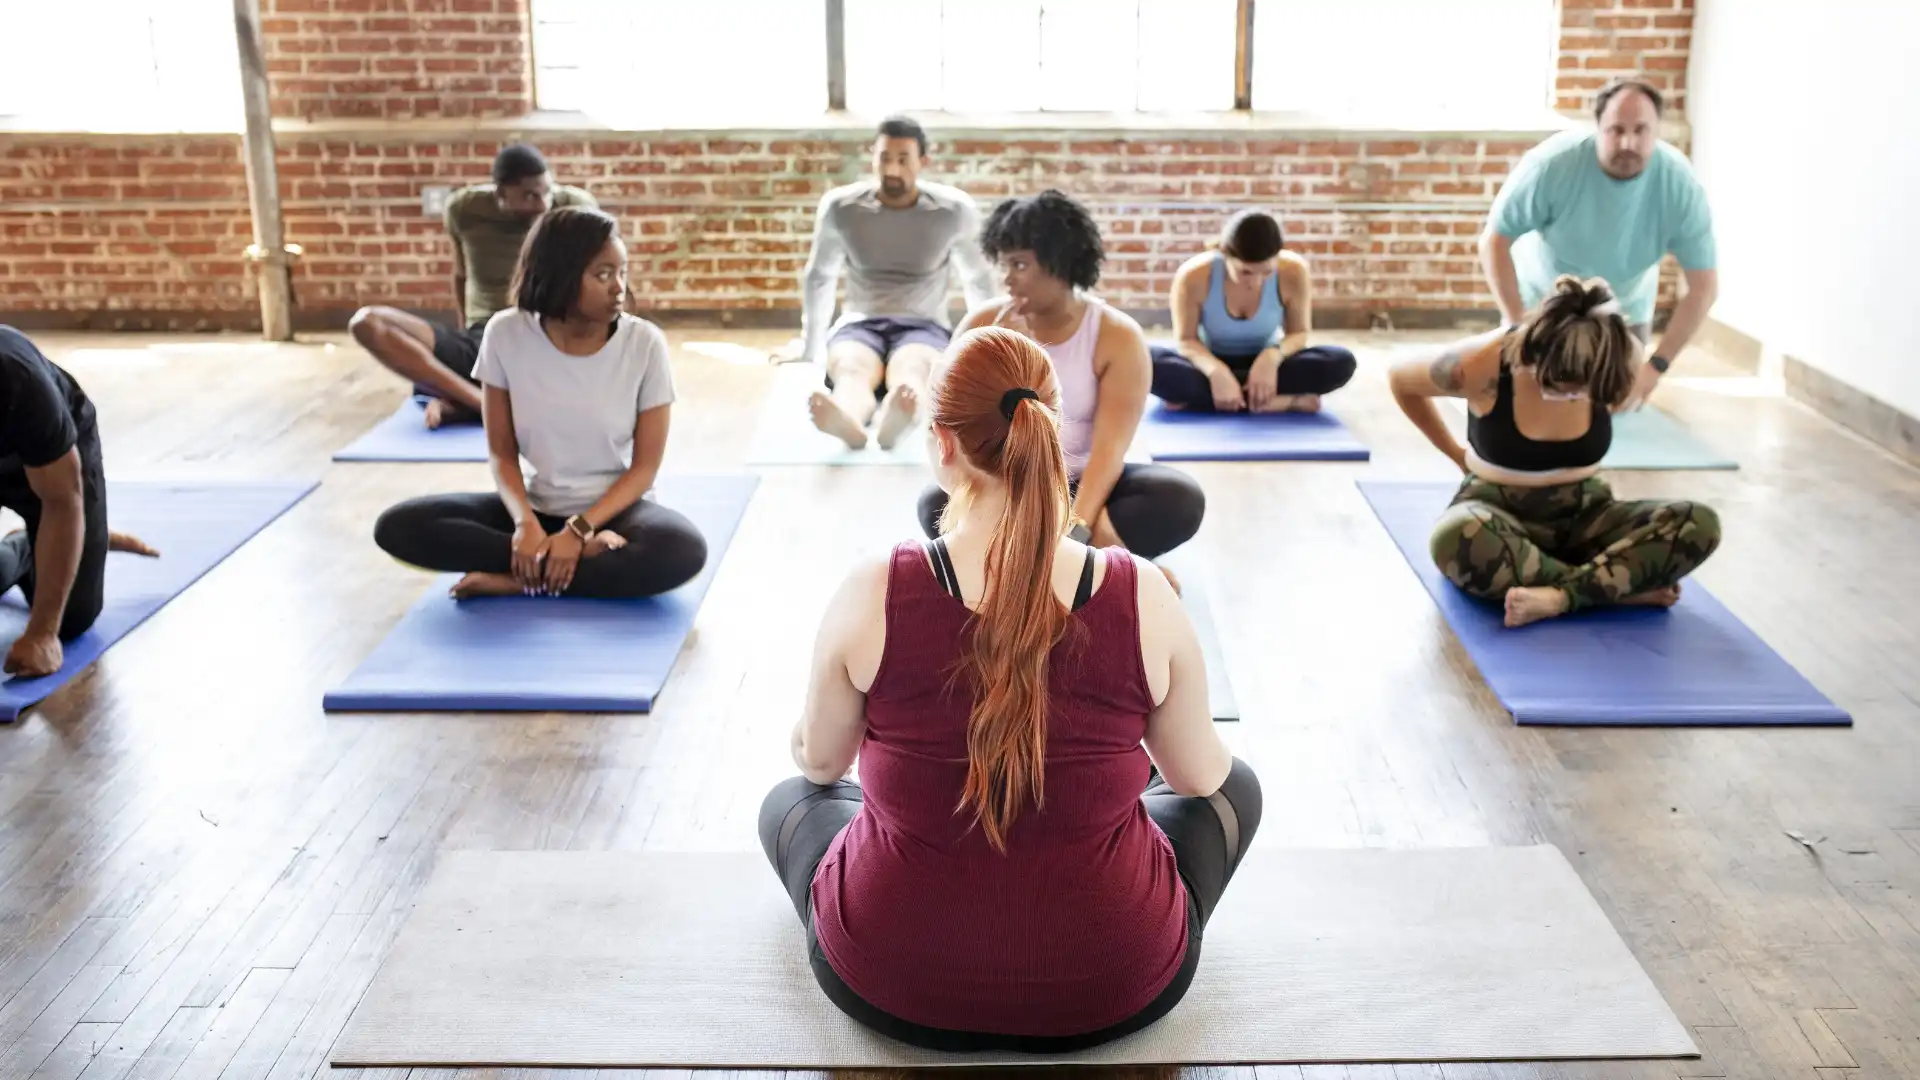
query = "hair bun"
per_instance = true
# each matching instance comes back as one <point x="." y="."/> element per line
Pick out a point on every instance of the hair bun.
<point x="1584" y="296"/>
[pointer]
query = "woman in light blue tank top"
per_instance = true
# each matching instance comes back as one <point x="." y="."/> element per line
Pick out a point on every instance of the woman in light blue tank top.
<point x="1242" y="342"/>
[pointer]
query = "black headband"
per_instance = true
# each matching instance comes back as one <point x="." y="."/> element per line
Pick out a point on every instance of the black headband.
<point x="1010" y="400"/>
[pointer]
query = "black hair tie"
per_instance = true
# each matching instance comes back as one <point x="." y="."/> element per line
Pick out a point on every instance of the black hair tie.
<point x="1010" y="400"/>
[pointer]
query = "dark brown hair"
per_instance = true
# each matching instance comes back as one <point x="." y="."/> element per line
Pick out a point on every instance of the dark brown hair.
<point x="1614" y="89"/>
<point x="559" y="248"/>
<point x="1574" y="340"/>
<point x="1252" y="236"/>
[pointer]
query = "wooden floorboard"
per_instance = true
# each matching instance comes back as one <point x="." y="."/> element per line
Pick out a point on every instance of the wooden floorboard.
<point x="200" y="871"/>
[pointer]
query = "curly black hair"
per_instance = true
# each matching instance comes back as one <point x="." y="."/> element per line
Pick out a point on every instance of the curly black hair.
<point x="1059" y="231"/>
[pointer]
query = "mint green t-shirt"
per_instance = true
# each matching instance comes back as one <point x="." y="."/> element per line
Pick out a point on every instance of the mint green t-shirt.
<point x="1567" y="216"/>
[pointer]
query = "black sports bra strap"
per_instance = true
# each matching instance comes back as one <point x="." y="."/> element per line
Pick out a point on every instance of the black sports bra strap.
<point x="1085" y="592"/>
<point x="949" y="581"/>
<point x="943" y="568"/>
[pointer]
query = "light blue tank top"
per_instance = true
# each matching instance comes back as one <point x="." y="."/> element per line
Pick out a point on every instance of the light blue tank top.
<point x="1230" y="338"/>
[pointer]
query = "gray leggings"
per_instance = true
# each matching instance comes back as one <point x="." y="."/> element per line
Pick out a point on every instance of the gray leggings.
<point x="799" y="821"/>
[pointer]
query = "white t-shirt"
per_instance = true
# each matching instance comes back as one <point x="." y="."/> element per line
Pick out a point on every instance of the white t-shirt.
<point x="574" y="415"/>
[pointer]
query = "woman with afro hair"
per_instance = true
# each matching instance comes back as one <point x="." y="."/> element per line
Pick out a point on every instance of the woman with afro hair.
<point x="1047" y="251"/>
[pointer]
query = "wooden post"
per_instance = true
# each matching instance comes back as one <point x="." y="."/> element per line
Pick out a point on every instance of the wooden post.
<point x="1243" y="55"/>
<point x="837" y="55"/>
<point x="269" y="252"/>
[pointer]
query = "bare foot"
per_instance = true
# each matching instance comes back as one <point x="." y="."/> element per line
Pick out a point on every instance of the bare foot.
<point x="829" y="417"/>
<point x="1300" y="403"/>
<point x="603" y="542"/>
<point x="441" y="412"/>
<point x="897" y="411"/>
<point x="1526" y="605"/>
<point x="119" y="541"/>
<point x="479" y="584"/>
<point x="1666" y="597"/>
<point x="1171" y="580"/>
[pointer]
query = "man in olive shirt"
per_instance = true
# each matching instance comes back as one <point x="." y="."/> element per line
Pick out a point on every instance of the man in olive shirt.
<point x="488" y="223"/>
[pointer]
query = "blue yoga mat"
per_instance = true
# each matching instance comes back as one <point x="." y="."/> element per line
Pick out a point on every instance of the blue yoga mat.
<point x="194" y="527"/>
<point x="547" y="654"/>
<point x="404" y="436"/>
<point x="1175" y="435"/>
<point x="1692" y="664"/>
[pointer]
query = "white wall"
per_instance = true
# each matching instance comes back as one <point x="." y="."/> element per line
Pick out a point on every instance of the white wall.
<point x="1806" y="132"/>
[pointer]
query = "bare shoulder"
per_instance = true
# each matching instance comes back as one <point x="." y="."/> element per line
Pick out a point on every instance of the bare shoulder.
<point x="1120" y="336"/>
<point x="982" y="315"/>
<point x="1119" y="329"/>
<point x="1469" y="366"/>
<point x="1159" y="606"/>
<point x="862" y="597"/>
<point x="1198" y="266"/>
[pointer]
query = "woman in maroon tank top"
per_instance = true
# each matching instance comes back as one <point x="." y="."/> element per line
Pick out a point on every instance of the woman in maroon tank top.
<point x="1003" y="878"/>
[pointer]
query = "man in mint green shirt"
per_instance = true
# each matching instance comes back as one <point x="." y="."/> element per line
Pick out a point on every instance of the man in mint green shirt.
<point x="1607" y="203"/>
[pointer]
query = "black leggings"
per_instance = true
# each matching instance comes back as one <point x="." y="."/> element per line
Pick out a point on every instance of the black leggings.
<point x="799" y="821"/>
<point x="89" y="591"/>
<point x="1317" y="369"/>
<point x="1154" y="508"/>
<point x="468" y="533"/>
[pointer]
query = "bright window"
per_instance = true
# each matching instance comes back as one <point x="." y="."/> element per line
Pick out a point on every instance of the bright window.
<point x="122" y="65"/>
<point x="652" y="63"/>
<point x="997" y="56"/>
<point x="1478" y="58"/>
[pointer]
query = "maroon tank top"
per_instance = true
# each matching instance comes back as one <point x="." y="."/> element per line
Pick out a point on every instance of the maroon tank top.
<point x="1081" y="922"/>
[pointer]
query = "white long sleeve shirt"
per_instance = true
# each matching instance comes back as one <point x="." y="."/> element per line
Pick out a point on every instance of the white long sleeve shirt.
<point x="897" y="262"/>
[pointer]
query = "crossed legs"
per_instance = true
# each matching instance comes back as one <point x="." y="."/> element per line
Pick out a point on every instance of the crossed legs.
<point x="413" y="348"/>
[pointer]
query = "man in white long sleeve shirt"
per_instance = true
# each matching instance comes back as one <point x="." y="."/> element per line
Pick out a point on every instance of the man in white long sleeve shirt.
<point x="898" y="239"/>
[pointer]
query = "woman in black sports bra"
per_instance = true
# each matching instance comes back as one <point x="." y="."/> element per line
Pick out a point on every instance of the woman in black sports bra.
<point x="1533" y="524"/>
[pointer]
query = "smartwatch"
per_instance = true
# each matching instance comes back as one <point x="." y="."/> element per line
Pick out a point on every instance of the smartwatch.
<point x="1660" y="363"/>
<point x="579" y="526"/>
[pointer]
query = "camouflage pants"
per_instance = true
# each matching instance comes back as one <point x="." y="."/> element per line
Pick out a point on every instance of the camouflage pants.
<point x="1573" y="536"/>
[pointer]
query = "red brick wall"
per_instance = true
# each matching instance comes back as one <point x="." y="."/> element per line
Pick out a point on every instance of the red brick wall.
<point x="1601" y="39"/>
<point x="151" y="229"/>
<point x="398" y="59"/>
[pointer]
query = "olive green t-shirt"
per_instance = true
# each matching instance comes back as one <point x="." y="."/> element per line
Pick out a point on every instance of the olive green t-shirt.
<point x="490" y="240"/>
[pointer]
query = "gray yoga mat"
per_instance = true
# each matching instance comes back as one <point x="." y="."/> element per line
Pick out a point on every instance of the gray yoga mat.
<point x="607" y="959"/>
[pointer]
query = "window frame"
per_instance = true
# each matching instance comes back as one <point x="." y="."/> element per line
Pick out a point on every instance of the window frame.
<point x="834" y="13"/>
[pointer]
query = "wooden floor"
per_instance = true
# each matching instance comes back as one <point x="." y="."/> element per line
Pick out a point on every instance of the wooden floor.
<point x="200" y="871"/>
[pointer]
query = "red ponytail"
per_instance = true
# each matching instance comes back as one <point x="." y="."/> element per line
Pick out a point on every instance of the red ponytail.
<point x="1020" y="619"/>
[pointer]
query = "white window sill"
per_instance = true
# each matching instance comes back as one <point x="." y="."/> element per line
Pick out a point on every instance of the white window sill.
<point x="1529" y="124"/>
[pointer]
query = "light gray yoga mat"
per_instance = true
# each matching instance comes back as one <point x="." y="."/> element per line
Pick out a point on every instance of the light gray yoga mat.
<point x="784" y="433"/>
<point x="1194" y="597"/>
<point x="1646" y="439"/>
<point x="604" y="959"/>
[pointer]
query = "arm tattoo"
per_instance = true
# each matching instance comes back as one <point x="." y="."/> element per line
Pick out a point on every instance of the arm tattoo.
<point x="1445" y="372"/>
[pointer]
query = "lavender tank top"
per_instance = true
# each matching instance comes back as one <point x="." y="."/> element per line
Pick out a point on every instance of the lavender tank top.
<point x="1079" y="388"/>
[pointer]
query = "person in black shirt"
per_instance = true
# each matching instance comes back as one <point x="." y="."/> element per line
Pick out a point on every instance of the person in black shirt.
<point x="52" y="476"/>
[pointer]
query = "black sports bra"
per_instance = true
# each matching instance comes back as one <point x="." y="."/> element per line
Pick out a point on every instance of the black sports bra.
<point x="1498" y="441"/>
<point x="950" y="581"/>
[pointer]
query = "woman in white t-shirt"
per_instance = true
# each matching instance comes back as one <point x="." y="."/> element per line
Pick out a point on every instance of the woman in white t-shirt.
<point x="581" y="390"/>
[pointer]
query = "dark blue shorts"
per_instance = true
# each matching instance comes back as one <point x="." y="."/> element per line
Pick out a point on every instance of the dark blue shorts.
<point x="885" y="334"/>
